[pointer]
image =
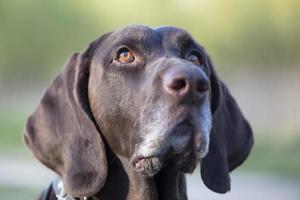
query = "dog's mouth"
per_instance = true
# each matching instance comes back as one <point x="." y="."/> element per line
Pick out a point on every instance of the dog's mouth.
<point x="180" y="141"/>
<point x="185" y="162"/>
<point x="180" y="152"/>
<point x="148" y="166"/>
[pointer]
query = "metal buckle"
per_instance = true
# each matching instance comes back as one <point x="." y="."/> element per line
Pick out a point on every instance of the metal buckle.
<point x="62" y="194"/>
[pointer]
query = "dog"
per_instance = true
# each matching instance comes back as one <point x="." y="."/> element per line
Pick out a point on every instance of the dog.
<point x="130" y="115"/>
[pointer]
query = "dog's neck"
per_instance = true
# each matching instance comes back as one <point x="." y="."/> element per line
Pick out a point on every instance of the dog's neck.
<point x="125" y="183"/>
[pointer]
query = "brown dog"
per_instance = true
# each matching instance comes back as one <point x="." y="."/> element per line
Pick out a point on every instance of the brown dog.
<point x="130" y="115"/>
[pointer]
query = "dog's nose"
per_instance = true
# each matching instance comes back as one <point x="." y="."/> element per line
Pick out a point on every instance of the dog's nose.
<point x="180" y="82"/>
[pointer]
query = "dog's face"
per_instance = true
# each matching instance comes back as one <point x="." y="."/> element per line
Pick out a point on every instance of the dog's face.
<point x="155" y="99"/>
<point x="149" y="92"/>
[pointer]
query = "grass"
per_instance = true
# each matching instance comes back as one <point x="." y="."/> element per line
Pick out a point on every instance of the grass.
<point x="11" y="131"/>
<point x="18" y="193"/>
<point x="277" y="156"/>
<point x="11" y="127"/>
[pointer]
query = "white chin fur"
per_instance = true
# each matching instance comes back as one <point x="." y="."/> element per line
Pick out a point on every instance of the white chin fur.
<point x="157" y="141"/>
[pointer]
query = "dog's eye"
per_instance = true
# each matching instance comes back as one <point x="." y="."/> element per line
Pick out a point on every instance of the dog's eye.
<point x="124" y="55"/>
<point x="194" y="59"/>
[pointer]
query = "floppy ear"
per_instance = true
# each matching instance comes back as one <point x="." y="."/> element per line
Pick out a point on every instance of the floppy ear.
<point x="230" y="141"/>
<point x="62" y="134"/>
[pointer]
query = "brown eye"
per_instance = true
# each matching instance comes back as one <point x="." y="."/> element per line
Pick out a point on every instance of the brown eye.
<point x="125" y="56"/>
<point x="194" y="59"/>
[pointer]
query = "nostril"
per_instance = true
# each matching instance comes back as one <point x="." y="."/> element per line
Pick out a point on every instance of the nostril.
<point x="177" y="84"/>
<point x="202" y="86"/>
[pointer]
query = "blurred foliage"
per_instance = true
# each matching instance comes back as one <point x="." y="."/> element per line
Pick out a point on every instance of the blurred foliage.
<point x="275" y="155"/>
<point x="36" y="37"/>
<point x="18" y="193"/>
<point x="11" y="124"/>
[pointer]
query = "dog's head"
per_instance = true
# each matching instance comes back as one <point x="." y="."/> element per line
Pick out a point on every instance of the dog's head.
<point x="154" y="97"/>
<point x="149" y="92"/>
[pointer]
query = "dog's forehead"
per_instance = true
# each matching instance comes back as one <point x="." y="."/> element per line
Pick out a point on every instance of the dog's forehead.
<point x="133" y="31"/>
<point x="173" y="33"/>
<point x="166" y="34"/>
<point x="173" y="37"/>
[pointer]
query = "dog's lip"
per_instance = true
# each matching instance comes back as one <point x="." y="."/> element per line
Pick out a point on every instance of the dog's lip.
<point x="149" y="165"/>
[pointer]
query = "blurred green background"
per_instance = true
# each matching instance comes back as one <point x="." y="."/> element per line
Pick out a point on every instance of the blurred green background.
<point x="255" y="46"/>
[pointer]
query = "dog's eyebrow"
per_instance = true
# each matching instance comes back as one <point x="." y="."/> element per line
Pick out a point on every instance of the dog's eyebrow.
<point x="175" y="38"/>
<point x="133" y="41"/>
<point x="138" y="37"/>
<point x="182" y="40"/>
